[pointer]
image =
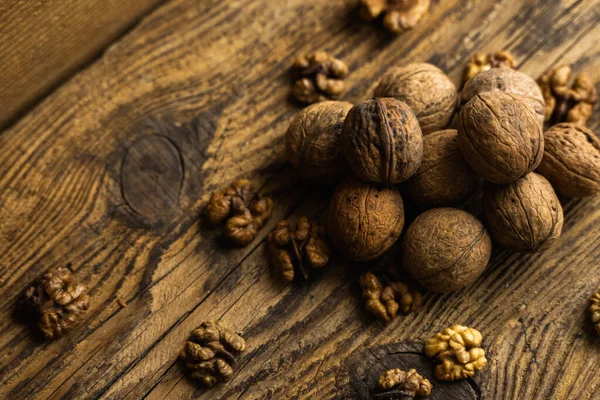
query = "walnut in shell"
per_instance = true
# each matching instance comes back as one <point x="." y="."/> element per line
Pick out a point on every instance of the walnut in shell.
<point x="500" y="136"/>
<point x="313" y="142"/>
<point x="523" y="215"/>
<point x="364" y="220"/>
<point x="446" y="249"/>
<point x="572" y="160"/>
<point x="382" y="141"/>
<point x="426" y="90"/>
<point x="444" y="177"/>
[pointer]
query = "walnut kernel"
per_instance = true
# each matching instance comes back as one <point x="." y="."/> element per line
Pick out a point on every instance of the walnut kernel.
<point x="398" y="15"/>
<point x="481" y="62"/>
<point x="595" y="310"/>
<point x="319" y="77"/>
<point x="406" y="385"/>
<point x="385" y="302"/>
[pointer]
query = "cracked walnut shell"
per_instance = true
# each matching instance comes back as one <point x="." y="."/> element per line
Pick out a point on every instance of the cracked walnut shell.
<point x="446" y="249"/>
<point x="523" y="215"/>
<point x="428" y="92"/>
<point x="405" y="384"/>
<point x="398" y="15"/>
<point x="382" y="141"/>
<point x="595" y="310"/>
<point x="313" y="142"/>
<point x="500" y="137"/>
<point x="458" y="352"/>
<point x="385" y="302"/>
<point x="209" y="354"/>
<point x="481" y="62"/>
<point x="364" y="220"/>
<point x="59" y="300"/>
<point x="319" y="77"/>
<point x="303" y="249"/>
<point x="571" y="160"/>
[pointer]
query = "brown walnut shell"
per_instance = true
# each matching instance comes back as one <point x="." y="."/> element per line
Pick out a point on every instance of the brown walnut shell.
<point x="382" y="141"/>
<point x="364" y="220"/>
<point x="446" y="249"/>
<point x="509" y="81"/>
<point x="523" y="215"/>
<point x="426" y="90"/>
<point x="313" y="142"/>
<point x="572" y="160"/>
<point x="500" y="137"/>
<point x="444" y="177"/>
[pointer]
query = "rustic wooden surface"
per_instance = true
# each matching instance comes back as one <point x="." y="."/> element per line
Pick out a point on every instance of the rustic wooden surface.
<point x="110" y="173"/>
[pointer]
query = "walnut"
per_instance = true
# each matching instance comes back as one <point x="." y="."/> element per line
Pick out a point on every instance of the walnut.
<point x="243" y="212"/>
<point x="398" y="15"/>
<point x="383" y="301"/>
<point x="209" y="353"/>
<point x="428" y="92"/>
<point x="595" y="310"/>
<point x="499" y="135"/>
<point x="444" y="177"/>
<point x="364" y="220"/>
<point x="523" y="215"/>
<point x="481" y="62"/>
<point x="304" y="248"/>
<point x="404" y="385"/>
<point x="564" y="104"/>
<point x="59" y="301"/>
<point x="457" y="349"/>
<point x="572" y="160"/>
<point x="318" y="77"/>
<point x="509" y="81"/>
<point x="314" y="142"/>
<point x="445" y="249"/>
<point x="382" y="141"/>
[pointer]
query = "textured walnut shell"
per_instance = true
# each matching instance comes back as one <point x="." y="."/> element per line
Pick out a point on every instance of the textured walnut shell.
<point x="444" y="177"/>
<point x="382" y="141"/>
<point x="500" y="137"/>
<point x="426" y="90"/>
<point x="445" y="249"/>
<point x="364" y="220"/>
<point x="509" y="81"/>
<point x="523" y="215"/>
<point x="313" y="142"/>
<point x="572" y="160"/>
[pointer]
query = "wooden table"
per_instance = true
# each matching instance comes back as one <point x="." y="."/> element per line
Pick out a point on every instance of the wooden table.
<point x="110" y="172"/>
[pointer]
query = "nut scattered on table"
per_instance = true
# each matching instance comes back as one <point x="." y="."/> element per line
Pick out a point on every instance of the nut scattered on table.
<point x="313" y="142"/>
<point x="210" y="353"/>
<point x="458" y="352"/>
<point x="241" y="209"/>
<point x="426" y="89"/>
<point x="59" y="300"/>
<point x="398" y="15"/>
<point x="523" y="215"/>
<point x="480" y="62"/>
<point x="303" y="249"/>
<point x="318" y="77"/>
<point x="571" y="160"/>
<point x="404" y="385"/>
<point x="595" y="310"/>
<point x="564" y="104"/>
<point x="386" y="301"/>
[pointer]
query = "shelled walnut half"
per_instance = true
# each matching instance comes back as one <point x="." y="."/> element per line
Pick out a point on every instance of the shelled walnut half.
<point x="241" y="209"/>
<point x="59" y="301"/>
<point x="318" y="77"/>
<point x="304" y="248"/>
<point x="396" y="383"/>
<point x="595" y="310"/>
<point x="480" y="62"/>
<point x="386" y="301"/>
<point x="398" y="15"/>
<point x="209" y="353"/>
<point x="458" y="352"/>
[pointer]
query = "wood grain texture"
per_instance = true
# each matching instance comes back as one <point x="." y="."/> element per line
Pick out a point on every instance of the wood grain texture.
<point x="110" y="173"/>
<point x="43" y="42"/>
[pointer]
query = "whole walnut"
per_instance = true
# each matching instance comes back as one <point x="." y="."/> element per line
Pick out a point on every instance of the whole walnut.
<point x="509" y="81"/>
<point x="426" y="90"/>
<point x="446" y="249"/>
<point x="382" y="141"/>
<point x="444" y="177"/>
<point x="313" y="142"/>
<point x="523" y="215"/>
<point x="364" y="220"/>
<point x="572" y="160"/>
<point x="500" y="136"/>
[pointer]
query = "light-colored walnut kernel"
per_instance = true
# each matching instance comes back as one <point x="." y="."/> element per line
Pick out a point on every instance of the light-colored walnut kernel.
<point x="406" y="385"/>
